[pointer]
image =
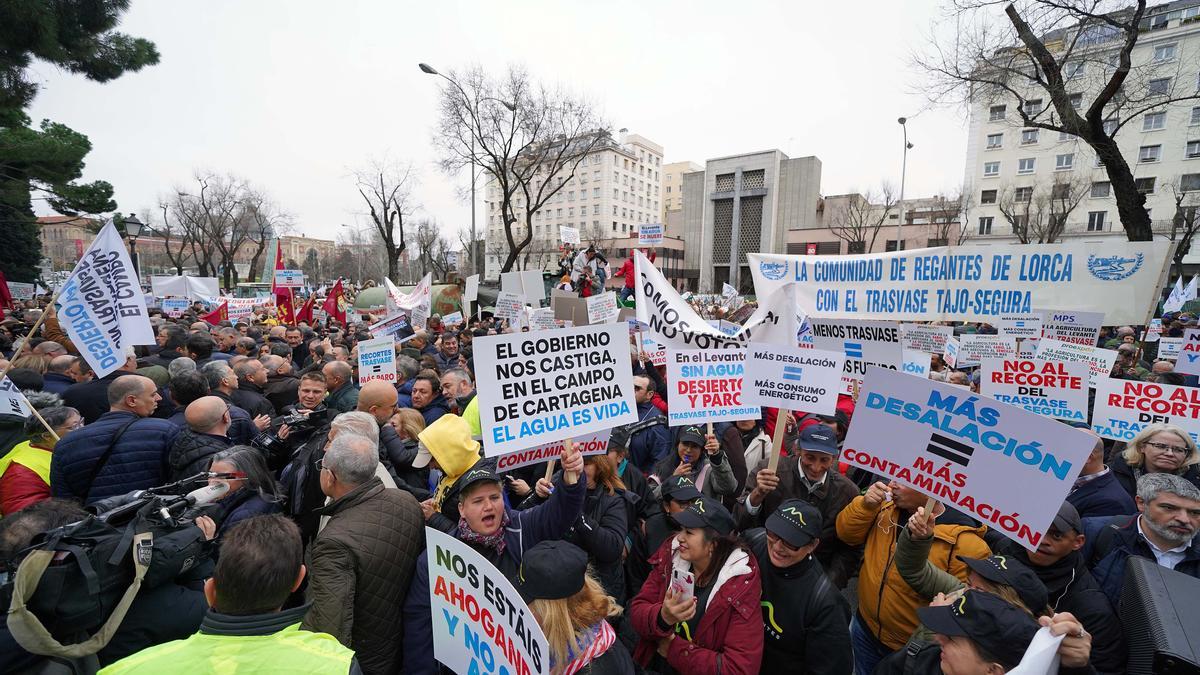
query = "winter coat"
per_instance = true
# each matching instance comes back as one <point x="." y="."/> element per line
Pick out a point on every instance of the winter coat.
<point x="435" y="409"/>
<point x="362" y="563"/>
<point x="163" y="358"/>
<point x="91" y="398"/>
<point x="838" y="558"/>
<point x="282" y="391"/>
<point x="400" y="455"/>
<point x="249" y="397"/>
<point x="56" y="383"/>
<point x="344" y="399"/>
<point x="138" y="460"/>
<point x="648" y="446"/>
<point x="444" y="362"/>
<point x="735" y="449"/>
<point x="729" y="639"/>
<point x="1127" y="475"/>
<point x="404" y="393"/>
<point x="1102" y="496"/>
<point x="241" y="425"/>
<point x="614" y="661"/>
<point x="1110" y="550"/>
<point x="242" y="504"/>
<point x="806" y="621"/>
<point x="192" y="452"/>
<point x="600" y="530"/>
<point x="24" y="477"/>
<point x="886" y="604"/>
<point x="712" y="473"/>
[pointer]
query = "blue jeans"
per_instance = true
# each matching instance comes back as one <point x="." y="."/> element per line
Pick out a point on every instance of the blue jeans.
<point x="626" y="293"/>
<point x="868" y="650"/>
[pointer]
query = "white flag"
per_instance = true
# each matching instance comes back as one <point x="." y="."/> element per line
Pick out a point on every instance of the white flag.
<point x="1175" y="300"/>
<point x="417" y="304"/>
<point x="728" y="292"/>
<point x="102" y="306"/>
<point x="12" y="401"/>
<point x="1189" y="293"/>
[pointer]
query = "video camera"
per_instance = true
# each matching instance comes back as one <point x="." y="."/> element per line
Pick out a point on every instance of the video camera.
<point x="172" y="504"/>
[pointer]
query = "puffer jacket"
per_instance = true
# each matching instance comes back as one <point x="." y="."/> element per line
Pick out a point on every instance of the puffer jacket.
<point x="729" y="639"/>
<point x="712" y="473"/>
<point x="361" y="566"/>
<point x="887" y="605"/>
<point x="192" y="452"/>
<point x="138" y="460"/>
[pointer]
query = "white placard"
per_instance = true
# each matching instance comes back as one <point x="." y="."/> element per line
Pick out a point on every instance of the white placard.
<point x="589" y="444"/>
<point x="950" y="356"/>
<point x="1057" y="389"/>
<point x="864" y="343"/>
<point x="1020" y="326"/>
<point x="452" y="319"/>
<point x="974" y="348"/>
<point x="471" y="292"/>
<point x="174" y="307"/>
<point x="12" y="401"/>
<point x="1168" y="348"/>
<point x="542" y="319"/>
<point x="602" y="308"/>
<point x="926" y="338"/>
<point x="289" y="278"/>
<point x="389" y="325"/>
<point x="1099" y="361"/>
<point x="509" y="306"/>
<point x="1124" y="407"/>
<point x="569" y="235"/>
<point x="916" y="363"/>
<point x="1188" y="362"/>
<point x="1080" y="328"/>
<point x="968" y="452"/>
<point x="1153" y="331"/>
<point x="706" y="386"/>
<point x="545" y="386"/>
<point x="793" y="378"/>
<point x="377" y="360"/>
<point x="20" y="291"/>
<point x="655" y="353"/>
<point x="650" y="234"/>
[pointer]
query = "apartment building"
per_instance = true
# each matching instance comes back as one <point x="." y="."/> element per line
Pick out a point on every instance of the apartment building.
<point x="673" y="185"/>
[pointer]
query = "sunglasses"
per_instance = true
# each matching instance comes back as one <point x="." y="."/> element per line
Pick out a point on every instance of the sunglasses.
<point x="772" y="539"/>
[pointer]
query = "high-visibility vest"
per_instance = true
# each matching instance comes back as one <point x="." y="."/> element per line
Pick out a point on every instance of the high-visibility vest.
<point x="36" y="460"/>
<point x="290" y="650"/>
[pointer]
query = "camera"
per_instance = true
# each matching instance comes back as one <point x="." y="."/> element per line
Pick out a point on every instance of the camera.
<point x="301" y="426"/>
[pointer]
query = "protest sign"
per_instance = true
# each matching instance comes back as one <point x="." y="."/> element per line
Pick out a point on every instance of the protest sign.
<point x="1124" y="407"/>
<point x="865" y="343"/>
<point x="471" y="292"/>
<point x="706" y="386"/>
<point x="1188" y="362"/>
<point x="418" y="303"/>
<point x="174" y="307"/>
<point x="916" y="363"/>
<point x="923" y="338"/>
<point x="728" y="292"/>
<point x="569" y="235"/>
<point x="20" y="291"/>
<point x="289" y="278"/>
<point x="1020" y="326"/>
<point x="101" y="305"/>
<point x="509" y="306"/>
<point x="1056" y="389"/>
<point x="1153" y="331"/>
<point x="1028" y="348"/>
<point x="650" y="234"/>
<point x="12" y="401"/>
<point x="589" y="444"/>
<point x="972" y="283"/>
<point x="452" y="319"/>
<point x="526" y="284"/>
<point x="1168" y="348"/>
<point x="1081" y="328"/>
<point x="192" y="288"/>
<point x="602" y="308"/>
<point x="655" y="353"/>
<point x="968" y="452"/>
<point x="389" y="325"/>
<point x="377" y="360"/>
<point x="546" y="386"/>
<point x="950" y="356"/>
<point x="726" y="327"/>
<point x="569" y="307"/>
<point x="542" y="319"/>
<point x="792" y="378"/>
<point x="239" y="308"/>
<point x="973" y="348"/>
<point x="1099" y="361"/>
<point x="480" y="623"/>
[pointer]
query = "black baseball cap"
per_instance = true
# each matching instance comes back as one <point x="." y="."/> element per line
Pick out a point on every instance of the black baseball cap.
<point x="1007" y="570"/>
<point x="691" y="435"/>
<point x="796" y="522"/>
<point x="999" y="628"/>
<point x="706" y="512"/>
<point x="818" y="438"/>
<point x="551" y="570"/>
<point x="483" y="470"/>
<point x="619" y="438"/>
<point x="680" y="489"/>
<point x="1067" y="519"/>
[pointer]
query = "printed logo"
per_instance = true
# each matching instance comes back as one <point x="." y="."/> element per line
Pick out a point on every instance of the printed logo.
<point x="792" y="373"/>
<point x="854" y="350"/>
<point x="773" y="270"/>
<point x="1114" y="268"/>
<point x="948" y="448"/>
<point x="793" y="511"/>
<point x="699" y="505"/>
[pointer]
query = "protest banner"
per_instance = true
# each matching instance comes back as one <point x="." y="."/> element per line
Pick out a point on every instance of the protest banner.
<point x="12" y="401"/>
<point x="289" y="278"/>
<point x="20" y="291"/>
<point x="968" y="452"/>
<point x="726" y="327"/>
<point x="1028" y="347"/>
<point x="417" y="303"/>
<point x="569" y="235"/>
<point x="546" y="386"/>
<point x="972" y="283"/>
<point x="101" y="305"/>
<point x="973" y="348"/>
<point x="175" y="307"/>
<point x="452" y="319"/>
<point x="1056" y="389"/>
<point x="480" y="623"/>
<point x="865" y="343"/>
<point x="1099" y="361"/>
<point x="1153" y="331"/>
<point x="1168" y="348"/>
<point x="239" y="308"/>
<point x="589" y="444"/>
<point x="192" y="288"/>
<point x="377" y="360"/>
<point x="602" y="308"/>
<point x="925" y="338"/>
<point x="1124" y="407"/>
<point x="728" y="292"/>
<point x="950" y="356"/>
<point x="706" y="386"/>
<point x="792" y="378"/>
<point x="509" y="306"/>
<point x="471" y="292"/>
<point x="650" y="234"/>
<point x="1020" y="326"/>
<point x="916" y="363"/>
<point x="1188" y="362"/>
<point x="656" y="354"/>
<point x="389" y="325"/>
<point x="1081" y="328"/>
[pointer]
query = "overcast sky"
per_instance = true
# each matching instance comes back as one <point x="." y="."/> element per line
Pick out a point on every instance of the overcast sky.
<point x="294" y="95"/>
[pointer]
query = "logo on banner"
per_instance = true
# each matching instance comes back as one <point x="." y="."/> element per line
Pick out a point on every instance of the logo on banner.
<point x="773" y="270"/>
<point x="1114" y="268"/>
<point x="948" y="448"/>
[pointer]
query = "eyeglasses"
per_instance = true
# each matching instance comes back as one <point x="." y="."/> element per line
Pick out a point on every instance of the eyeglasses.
<point x="772" y="539"/>
<point x="1167" y="448"/>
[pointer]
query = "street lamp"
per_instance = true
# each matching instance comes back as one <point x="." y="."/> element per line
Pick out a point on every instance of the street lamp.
<point x="903" y="171"/>
<point x="134" y="229"/>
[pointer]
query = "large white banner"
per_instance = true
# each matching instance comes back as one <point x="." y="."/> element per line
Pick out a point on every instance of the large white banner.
<point x="192" y="288"/>
<point x="1049" y="388"/>
<point x="102" y="306"/>
<point x="418" y="303"/>
<point x="972" y="283"/>
<point x="1009" y="468"/>
<point x="706" y="386"/>
<point x="1124" y="407"/>
<point x="864" y="343"/>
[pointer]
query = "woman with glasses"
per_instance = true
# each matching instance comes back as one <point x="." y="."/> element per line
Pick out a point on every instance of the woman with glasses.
<point x="253" y="492"/>
<point x="1159" y="448"/>
<point x="25" y="470"/>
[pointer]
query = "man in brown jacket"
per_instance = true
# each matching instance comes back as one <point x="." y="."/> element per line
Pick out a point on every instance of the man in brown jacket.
<point x="363" y="561"/>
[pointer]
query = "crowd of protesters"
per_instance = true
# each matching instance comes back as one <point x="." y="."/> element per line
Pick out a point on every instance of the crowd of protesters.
<point x="320" y="549"/>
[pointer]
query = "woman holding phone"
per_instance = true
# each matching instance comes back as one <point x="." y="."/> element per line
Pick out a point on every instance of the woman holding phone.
<point x="698" y="612"/>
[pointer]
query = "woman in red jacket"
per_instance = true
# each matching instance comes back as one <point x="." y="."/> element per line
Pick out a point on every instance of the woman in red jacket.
<point x="25" y="470"/>
<point x="712" y="624"/>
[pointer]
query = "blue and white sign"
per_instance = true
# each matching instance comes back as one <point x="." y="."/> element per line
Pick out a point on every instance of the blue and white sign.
<point x="864" y="344"/>
<point x="174" y="307"/>
<point x="650" y="234"/>
<point x="1188" y="361"/>
<point x="289" y="278"/>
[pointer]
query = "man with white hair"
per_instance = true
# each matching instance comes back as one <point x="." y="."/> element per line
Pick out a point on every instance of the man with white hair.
<point x="363" y="560"/>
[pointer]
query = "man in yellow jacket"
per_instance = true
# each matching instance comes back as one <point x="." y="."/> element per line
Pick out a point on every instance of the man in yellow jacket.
<point x="887" y="607"/>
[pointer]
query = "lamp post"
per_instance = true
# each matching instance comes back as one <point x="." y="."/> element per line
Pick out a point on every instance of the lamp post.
<point x="903" y="171"/>
<point x="133" y="230"/>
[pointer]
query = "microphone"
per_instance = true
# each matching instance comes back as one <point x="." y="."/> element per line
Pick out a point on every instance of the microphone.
<point x="207" y="494"/>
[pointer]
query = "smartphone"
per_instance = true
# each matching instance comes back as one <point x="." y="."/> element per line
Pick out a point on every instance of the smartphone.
<point x="683" y="583"/>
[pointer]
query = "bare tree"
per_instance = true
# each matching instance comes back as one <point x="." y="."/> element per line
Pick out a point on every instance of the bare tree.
<point x="1038" y="213"/>
<point x="387" y="189"/>
<point x="263" y="221"/>
<point x="1185" y="222"/>
<point x="176" y="237"/>
<point x="858" y="221"/>
<point x="1077" y="54"/>
<point x="948" y="216"/>
<point x="526" y="137"/>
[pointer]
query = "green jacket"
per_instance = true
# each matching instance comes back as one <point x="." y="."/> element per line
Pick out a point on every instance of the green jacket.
<point x="925" y="578"/>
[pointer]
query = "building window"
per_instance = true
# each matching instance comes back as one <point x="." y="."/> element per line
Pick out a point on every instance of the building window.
<point x="987" y="197"/>
<point x="595" y="209"/>
<point x="1149" y="153"/>
<point x="1159" y="86"/>
<point x="891" y="245"/>
<point x="985" y="225"/>
<point x="1189" y="182"/>
<point x="1195" y="116"/>
<point x="1096" y="221"/>
<point x="1064" y="162"/>
<point x="1029" y="137"/>
<point x="1110" y="126"/>
<point x="1101" y="189"/>
<point x="668" y="189"/>
<point x="1033" y="107"/>
<point x="1192" y="150"/>
<point x="994" y="141"/>
<point x="1020" y="223"/>
<point x="1164" y="52"/>
<point x="1074" y="69"/>
<point x="1144" y="185"/>
<point x="1022" y="195"/>
<point x="996" y="113"/>
<point x="991" y="169"/>
<point x="856" y="247"/>
<point x="1154" y="121"/>
<point x="1076" y="100"/>
<point x="1025" y="165"/>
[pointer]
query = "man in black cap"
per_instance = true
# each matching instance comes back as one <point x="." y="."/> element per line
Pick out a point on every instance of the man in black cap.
<point x="677" y="493"/>
<point x="806" y="620"/>
<point x="811" y="475"/>
<point x="979" y="633"/>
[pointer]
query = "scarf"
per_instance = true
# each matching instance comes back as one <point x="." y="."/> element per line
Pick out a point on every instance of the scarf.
<point x="598" y="639"/>
<point x="492" y="541"/>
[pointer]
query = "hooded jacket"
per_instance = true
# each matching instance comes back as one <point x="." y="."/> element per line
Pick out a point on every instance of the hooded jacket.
<point x="729" y="639"/>
<point x="451" y="445"/>
<point x="192" y="452"/>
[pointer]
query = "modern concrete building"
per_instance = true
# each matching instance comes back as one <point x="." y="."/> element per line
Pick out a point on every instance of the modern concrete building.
<point x="848" y="223"/>
<point x="673" y="185"/>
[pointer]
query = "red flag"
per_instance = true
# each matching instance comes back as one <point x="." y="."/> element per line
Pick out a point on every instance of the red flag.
<point x="306" y="311"/>
<point x="278" y="265"/>
<point x="6" y="300"/>
<point x="218" y="315"/>
<point x="283" y="307"/>
<point x="335" y="303"/>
